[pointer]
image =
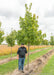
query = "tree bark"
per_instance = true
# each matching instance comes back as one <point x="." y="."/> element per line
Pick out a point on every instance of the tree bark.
<point x="11" y="52"/>
<point x="28" y="57"/>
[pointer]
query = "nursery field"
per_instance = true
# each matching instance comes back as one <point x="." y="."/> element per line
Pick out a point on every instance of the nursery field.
<point x="26" y="37"/>
<point x="10" y="66"/>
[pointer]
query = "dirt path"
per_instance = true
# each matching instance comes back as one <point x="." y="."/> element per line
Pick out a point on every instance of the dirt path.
<point x="35" y="66"/>
<point x="14" y="58"/>
<point x="37" y="71"/>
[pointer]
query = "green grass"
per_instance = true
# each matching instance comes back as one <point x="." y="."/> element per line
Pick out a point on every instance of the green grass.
<point x="15" y="54"/>
<point x="7" y="56"/>
<point x="49" y="68"/>
<point x="10" y="66"/>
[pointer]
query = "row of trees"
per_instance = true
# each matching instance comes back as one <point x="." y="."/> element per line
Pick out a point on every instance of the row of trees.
<point x="13" y="36"/>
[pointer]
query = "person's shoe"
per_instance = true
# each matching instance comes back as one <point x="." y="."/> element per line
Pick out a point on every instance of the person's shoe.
<point x="22" y="71"/>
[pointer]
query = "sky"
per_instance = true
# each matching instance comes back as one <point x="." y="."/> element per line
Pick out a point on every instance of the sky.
<point x="11" y="10"/>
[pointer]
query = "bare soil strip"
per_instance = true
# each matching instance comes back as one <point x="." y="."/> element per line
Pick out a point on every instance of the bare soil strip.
<point x="35" y="66"/>
<point x="14" y="58"/>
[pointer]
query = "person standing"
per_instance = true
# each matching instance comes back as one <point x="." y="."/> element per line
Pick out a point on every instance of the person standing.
<point x="21" y="54"/>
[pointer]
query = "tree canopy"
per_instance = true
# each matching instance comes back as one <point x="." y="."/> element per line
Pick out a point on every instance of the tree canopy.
<point x="29" y="32"/>
<point x="52" y="40"/>
<point x="45" y="42"/>
<point x="10" y="39"/>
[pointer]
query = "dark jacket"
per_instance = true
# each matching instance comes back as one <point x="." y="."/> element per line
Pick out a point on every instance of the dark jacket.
<point x="22" y="51"/>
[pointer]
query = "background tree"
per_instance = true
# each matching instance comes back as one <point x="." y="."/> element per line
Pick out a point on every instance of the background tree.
<point x="52" y="40"/>
<point x="39" y="37"/>
<point x="45" y="42"/>
<point x="1" y="34"/>
<point x="10" y="39"/>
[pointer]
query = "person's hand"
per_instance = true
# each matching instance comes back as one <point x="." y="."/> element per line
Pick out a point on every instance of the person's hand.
<point x="17" y="58"/>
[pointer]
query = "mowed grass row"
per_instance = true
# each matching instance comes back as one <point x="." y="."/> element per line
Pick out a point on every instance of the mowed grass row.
<point x="49" y="67"/>
<point x="15" y="54"/>
<point x="12" y="65"/>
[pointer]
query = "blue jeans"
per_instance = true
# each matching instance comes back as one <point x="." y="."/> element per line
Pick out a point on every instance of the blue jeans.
<point x="21" y="63"/>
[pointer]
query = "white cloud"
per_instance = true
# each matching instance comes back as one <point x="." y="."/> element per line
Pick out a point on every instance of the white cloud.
<point x="11" y="8"/>
<point x="50" y="13"/>
<point x="8" y="23"/>
<point x="47" y="26"/>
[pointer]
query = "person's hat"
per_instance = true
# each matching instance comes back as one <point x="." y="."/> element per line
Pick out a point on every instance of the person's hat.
<point x="22" y="43"/>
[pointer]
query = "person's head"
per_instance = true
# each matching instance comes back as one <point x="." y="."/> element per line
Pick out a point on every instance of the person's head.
<point x="22" y="44"/>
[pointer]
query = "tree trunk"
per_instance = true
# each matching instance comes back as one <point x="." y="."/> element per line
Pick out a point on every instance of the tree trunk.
<point x="34" y="46"/>
<point x="28" y="57"/>
<point x="11" y="52"/>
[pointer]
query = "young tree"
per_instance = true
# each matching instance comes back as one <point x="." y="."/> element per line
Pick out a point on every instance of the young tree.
<point x="28" y="26"/>
<point x="45" y="42"/>
<point x="39" y="37"/>
<point x="52" y="40"/>
<point x="10" y="39"/>
<point x="1" y="34"/>
<point x="29" y="29"/>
